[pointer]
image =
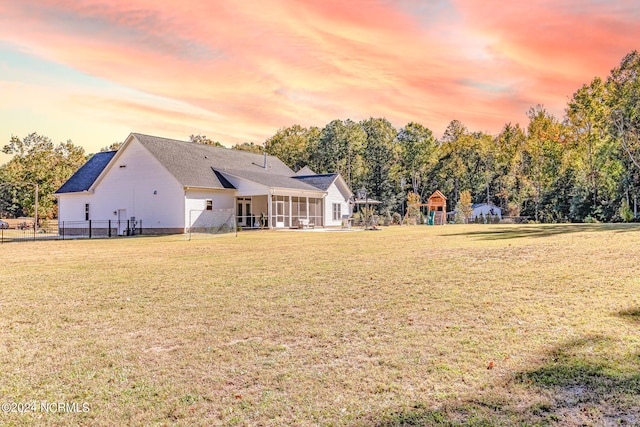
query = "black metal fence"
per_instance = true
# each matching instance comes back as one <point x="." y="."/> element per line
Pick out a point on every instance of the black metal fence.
<point x="90" y="229"/>
<point x="72" y="230"/>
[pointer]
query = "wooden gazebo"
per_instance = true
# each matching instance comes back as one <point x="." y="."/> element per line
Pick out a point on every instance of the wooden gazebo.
<point x="438" y="204"/>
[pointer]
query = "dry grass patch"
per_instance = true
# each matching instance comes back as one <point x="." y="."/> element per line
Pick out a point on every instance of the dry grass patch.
<point x="396" y="327"/>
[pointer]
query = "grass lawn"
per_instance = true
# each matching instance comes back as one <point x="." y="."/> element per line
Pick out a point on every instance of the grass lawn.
<point x="455" y="325"/>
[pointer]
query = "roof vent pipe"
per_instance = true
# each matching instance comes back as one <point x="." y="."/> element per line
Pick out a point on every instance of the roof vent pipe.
<point x="265" y="160"/>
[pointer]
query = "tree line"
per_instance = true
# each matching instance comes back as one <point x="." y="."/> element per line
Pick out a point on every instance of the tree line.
<point x="584" y="166"/>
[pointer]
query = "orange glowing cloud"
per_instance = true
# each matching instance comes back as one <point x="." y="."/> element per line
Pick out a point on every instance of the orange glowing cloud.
<point x="238" y="71"/>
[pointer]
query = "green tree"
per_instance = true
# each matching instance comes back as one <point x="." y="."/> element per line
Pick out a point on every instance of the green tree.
<point x="510" y="145"/>
<point x="113" y="147"/>
<point x="340" y="149"/>
<point x="379" y="157"/>
<point x="292" y="145"/>
<point x="590" y="152"/>
<point x="418" y="155"/>
<point x="488" y="153"/>
<point x="202" y="139"/>
<point x="249" y="146"/>
<point x="461" y="164"/>
<point x="625" y="211"/>
<point x="543" y="158"/>
<point x="37" y="160"/>
<point x="624" y="100"/>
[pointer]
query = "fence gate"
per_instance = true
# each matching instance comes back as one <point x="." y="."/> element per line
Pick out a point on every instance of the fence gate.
<point x="122" y="222"/>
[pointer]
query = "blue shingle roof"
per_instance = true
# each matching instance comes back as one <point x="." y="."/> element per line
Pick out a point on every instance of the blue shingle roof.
<point x="87" y="174"/>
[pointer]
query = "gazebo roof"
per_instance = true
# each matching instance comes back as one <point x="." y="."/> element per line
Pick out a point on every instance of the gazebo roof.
<point x="357" y="201"/>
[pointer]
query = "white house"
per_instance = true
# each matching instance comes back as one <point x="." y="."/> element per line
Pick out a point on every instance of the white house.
<point x="169" y="186"/>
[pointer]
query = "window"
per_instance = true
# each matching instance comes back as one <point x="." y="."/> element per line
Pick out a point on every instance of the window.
<point x="209" y="204"/>
<point x="336" y="212"/>
<point x="86" y="212"/>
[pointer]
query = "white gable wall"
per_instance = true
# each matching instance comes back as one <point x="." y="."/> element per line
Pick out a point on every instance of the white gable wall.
<point x="135" y="184"/>
<point x="139" y="183"/>
<point x="334" y="195"/>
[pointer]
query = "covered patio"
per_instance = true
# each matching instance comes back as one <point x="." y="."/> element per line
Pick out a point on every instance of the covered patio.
<point x="280" y="210"/>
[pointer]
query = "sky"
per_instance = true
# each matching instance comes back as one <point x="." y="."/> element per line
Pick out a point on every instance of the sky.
<point x="237" y="71"/>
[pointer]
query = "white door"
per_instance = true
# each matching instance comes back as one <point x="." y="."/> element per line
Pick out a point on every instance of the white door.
<point x="280" y="214"/>
<point x="122" y="222"/>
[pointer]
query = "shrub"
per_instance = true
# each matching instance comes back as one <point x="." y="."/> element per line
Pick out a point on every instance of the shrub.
<point x="357" y="218"/>
<point x="625" y="212"/>
<point x="396" y="218"/>
<point x="387" y="219"/>
<point x="459" y="217"/>
<point x="591" y="220"/>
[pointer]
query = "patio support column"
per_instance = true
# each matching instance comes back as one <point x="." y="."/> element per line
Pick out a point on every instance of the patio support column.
<point x="269" y="210"/>
<point x="307" y="202"/>
<point x="290" y="212"/>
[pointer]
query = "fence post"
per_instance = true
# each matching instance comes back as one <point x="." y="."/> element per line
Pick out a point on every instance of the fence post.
<point x="89" y="228"/>
<point x="128" y="227"/>
<point x="109" y="225"/>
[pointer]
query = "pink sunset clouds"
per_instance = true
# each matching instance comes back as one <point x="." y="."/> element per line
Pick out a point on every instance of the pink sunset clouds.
<point x="238" y="71"/>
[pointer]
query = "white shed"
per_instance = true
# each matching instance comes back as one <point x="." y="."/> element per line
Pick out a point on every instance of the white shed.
<point x="486" y="210"/>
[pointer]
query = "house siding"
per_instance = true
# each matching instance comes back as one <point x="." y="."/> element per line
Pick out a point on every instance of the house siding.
<point x="129" y="191"/>
<point x="334" y="195"/>
<point x="197" y="216"/>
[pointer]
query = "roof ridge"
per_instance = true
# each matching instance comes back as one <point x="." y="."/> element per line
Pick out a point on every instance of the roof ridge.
<point x="207" y="146"/>
<point x="316" y="175"/>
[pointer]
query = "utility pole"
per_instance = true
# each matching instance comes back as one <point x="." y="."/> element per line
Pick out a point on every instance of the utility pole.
<point x="36" y="214"/>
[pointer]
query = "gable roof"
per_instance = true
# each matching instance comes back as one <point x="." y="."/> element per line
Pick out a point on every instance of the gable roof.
<point x="437" y="194"/>
<point x="305" y="171"/>
<point x="84" y="177"/>
<point x="207" y="166"/>
<point x="322" y="181"/>
<point x="195" y="165"/>
<point x="270" y="180"/>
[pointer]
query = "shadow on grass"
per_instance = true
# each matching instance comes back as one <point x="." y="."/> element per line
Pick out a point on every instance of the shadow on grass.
<point x="580" y="384"/>
<point x="632" y="315"/>
<point x="545" y="230"/>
